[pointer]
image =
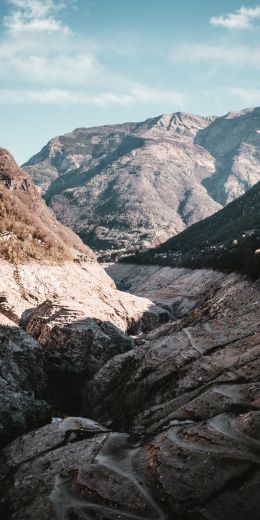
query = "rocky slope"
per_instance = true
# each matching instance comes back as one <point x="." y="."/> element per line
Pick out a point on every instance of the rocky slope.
<point x="125" y="187"/>
<point x="188" y="398"/>
<point x="84" y="288"/>
<point x="78" y="316"/>
<point x="228" y="240"/>
<point x="45" y="270"/>
<point x="28" y="228"/>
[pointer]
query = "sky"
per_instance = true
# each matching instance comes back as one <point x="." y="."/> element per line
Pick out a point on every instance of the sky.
<point x="66" y="64"/>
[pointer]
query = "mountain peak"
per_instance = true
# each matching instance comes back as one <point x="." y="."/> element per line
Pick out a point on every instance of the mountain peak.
<point x="11" y="176"/>
<point x="244" y="112"/>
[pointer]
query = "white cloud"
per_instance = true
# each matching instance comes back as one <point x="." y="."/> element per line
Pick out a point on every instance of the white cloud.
<point x="73" y="66"/>
<point x="59" y="59"/>
<point x="55" y="59"/>
<point x="241" y="19"/>
<point x="236" y="55"/>
<point x="103" y="99"/>
<point x="42" y="97"/>
<point x="50" y="65"/>
<point x="32" y="16"/>
<point x="146" y="94"/>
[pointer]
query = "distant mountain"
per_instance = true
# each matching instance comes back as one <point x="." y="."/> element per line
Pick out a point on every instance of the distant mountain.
<point x="28" y="228"/>
<point x="228" y="240"/>
<point x="126" y="187"/>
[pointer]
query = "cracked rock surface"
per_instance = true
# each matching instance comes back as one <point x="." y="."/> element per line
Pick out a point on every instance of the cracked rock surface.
<point x="22" y="381"/>
<point x="183" y="407"/>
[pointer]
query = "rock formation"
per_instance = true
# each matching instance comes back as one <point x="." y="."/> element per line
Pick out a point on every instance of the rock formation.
<point x="22" y="382"/>
<point x="188" y="398"/>
<point x="179" y="291"/>
<point x="126" y="187"/>
<point x="65" y="271"/>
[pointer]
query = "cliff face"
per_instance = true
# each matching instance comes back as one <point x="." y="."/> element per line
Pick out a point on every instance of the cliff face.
<point x="124" y="187"/>
<point x="22" y="382"/>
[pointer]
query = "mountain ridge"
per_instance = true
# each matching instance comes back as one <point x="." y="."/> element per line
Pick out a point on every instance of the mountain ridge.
<point x="130" y="186"/>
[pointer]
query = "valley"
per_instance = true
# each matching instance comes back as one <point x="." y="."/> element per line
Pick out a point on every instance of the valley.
<point x="131" y="389"/>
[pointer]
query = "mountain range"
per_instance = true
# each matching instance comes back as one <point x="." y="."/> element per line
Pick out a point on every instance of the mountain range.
<point x="127" y="187"/>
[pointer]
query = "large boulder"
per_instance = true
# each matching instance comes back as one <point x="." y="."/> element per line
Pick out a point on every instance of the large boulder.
<point x="22" y="381"/>
<point x="73" y="342"/>
<point x="206" y="471"/>
<point x="77" y="344"/>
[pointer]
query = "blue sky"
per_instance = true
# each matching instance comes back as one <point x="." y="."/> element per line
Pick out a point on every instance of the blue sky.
<point x="71" y="63"/>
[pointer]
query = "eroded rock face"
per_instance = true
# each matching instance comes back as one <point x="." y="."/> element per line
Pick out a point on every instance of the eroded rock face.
<point x="84" y="288"/>
<point x="76" y="345"/>
<point x="197" y="382"/>
<point x="181" y="358"/>
<point x="206" y="470"/>
<point x="82" y="475"/>
<point x="81" y="333"/>
<point x="189" y="397"/>
<point x="22" y="381"/>
<point x="72" y="342"/>
<point x="124" y="187"/>
<point x="179" y="291"/>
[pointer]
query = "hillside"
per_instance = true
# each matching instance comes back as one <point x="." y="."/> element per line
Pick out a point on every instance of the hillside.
<point x="132" y="186"/>
<point x="28" y="228"/>
<point x="228" y="240"/>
